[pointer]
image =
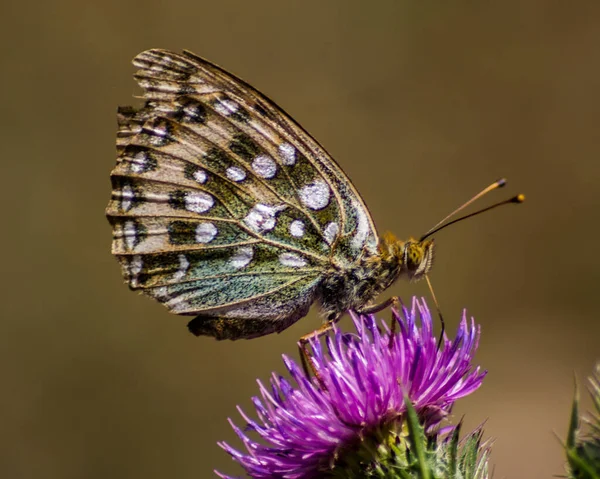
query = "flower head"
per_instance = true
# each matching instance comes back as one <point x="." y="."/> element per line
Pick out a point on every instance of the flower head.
<point x="364" y="380"/>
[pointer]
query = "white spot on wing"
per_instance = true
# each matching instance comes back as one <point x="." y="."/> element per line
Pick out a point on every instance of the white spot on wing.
<point x="226" y="107"/>
<point x="159" y="133"/>
<point x="297" y="228"/>
<point x="264" y="166"/>
<point x="130" y="234"/>
<point x="362" y="229"/>
<point x="135" y="268"/>
<point x="158" y="197"/>
<point x="315" y="195"/>
<point x="198" y="202"/>
<point x="236" y="173"/>
<point x="330" y="232"/>
<point x="287" y="152"/>
<point x="127" y="195"/>
<point x="205" y="232"/>
<point x="242" y="257"/>
<point x="291" y="259"/>
<point x="160" y="129"/>
<point x="136" y="265"/>
<point x="139" y="162"/>
<point x="262" y="217"/>
<point x="161" y="293"/>
<point x="184" y="264"/>
<point x="200" y="176"/>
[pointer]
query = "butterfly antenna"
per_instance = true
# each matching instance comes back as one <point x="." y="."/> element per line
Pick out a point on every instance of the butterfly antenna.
<point x="439" y="311"/>
<point x="497" y="184"/>
<point x="515" y="199"/>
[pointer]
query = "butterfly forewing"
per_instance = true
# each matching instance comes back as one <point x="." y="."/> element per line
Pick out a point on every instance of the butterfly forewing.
<point x="357" y="228"/>
<point x="220" y="201"/>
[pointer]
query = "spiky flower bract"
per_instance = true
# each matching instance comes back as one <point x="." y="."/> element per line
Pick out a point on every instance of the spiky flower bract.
<point x="583" y="449"/>
<point x="354" y="414"/>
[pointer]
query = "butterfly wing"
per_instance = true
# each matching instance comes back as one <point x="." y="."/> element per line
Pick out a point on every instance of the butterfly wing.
<point x="221" y="204"/>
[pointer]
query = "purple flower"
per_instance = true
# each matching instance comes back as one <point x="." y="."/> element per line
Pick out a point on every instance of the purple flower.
<point x="359" y="393"/>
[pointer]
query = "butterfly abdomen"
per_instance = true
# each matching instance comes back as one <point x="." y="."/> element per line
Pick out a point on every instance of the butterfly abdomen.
<point x="243" y="328"/>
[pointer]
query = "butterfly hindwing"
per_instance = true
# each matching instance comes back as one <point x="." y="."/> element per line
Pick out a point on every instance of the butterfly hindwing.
<point x="221" y="203"/>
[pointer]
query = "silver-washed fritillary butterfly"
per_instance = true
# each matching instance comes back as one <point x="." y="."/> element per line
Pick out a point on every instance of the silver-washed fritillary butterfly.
<point x="225" y="209"/>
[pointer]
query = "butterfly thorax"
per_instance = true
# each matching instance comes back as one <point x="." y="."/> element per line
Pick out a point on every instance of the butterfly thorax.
<point x="357" y="286"/>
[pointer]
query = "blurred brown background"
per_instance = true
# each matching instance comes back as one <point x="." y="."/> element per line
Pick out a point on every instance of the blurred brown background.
<point x="422" y="103"/>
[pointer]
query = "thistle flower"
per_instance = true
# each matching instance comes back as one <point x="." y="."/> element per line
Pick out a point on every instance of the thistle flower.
<point x="353" y="416"/>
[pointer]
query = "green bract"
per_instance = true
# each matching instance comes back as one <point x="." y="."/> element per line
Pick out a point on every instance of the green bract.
<point x="583" y="448"/>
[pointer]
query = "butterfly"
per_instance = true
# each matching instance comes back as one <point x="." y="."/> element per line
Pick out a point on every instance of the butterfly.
<point x="226" y="209"/>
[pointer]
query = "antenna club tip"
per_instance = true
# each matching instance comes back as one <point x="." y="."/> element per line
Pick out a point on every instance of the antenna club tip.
<point x="501" y="182"/>
<point x="520" y="198"/>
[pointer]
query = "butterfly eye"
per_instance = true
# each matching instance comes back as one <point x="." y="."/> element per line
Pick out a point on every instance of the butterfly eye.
<point x="412" y="256"/>
<point x="418" y="258"/>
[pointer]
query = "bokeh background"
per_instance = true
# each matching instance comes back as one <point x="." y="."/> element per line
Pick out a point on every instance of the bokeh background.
<point x="422" y="103"/>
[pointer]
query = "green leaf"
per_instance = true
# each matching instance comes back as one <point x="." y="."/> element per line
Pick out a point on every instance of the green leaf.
<point x="416" y="437"/>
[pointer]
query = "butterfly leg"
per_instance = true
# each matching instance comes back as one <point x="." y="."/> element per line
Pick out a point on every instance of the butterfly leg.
<point x="394" y="301"/>
<point x="309" y="366"/>
<point x="375" y="308"/>
<point x="307" y="363"/>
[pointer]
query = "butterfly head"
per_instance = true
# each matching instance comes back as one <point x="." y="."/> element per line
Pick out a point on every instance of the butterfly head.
<point x="417" y="258"/>
<point x="413" y="257"/>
